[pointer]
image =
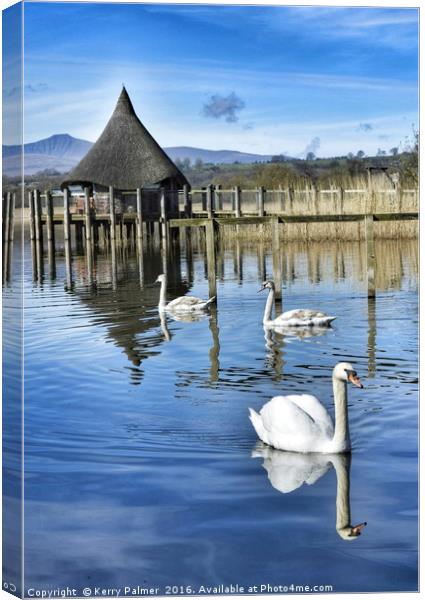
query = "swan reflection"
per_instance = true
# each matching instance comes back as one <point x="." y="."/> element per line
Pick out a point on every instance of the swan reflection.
<point x="288" y="471"/>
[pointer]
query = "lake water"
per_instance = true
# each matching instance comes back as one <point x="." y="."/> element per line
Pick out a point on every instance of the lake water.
<point x="141" y="465"/>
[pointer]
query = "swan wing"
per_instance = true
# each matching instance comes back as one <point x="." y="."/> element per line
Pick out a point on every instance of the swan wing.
<point x="313" y="407"/>
<point x="185" y="303"/>
<point x="284" y="417"/>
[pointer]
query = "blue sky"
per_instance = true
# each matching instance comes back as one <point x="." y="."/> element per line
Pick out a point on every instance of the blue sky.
<point x="259" y="79"/>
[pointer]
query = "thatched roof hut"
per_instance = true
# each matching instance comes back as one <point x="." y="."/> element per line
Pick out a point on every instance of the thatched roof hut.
<point x="126" y="156"/>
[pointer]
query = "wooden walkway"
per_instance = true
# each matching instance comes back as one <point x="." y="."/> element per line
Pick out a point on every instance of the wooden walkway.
<point x="115" y="228"/>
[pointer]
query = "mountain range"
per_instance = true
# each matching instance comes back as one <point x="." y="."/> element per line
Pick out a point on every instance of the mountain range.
<point x="61" y="152"/>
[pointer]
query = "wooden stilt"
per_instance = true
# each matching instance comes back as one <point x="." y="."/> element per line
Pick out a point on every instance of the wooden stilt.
<point x="49" y="219"/>
<point x="370" y="256"/>
<point x="187" y="202"/>
<point x="139" y="215"/>
<point x="260" y="201"/>
<point x="164" y="225"/>
<point x="12" y="218"/>
<point x="210" y="210"/>
<point x="210" y="244"/>
<point x="87" y="214"/>
<point x="38" y="230"/>
<point x="112" y="212"/>
<point x="32" y="215"/>
<point x="6" y="213"/>
<point x="237" y="196"/>
<point x="277" y="266"/>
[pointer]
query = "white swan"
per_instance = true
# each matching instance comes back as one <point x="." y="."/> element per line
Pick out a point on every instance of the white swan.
<point x="288" y="471"/>
<point x="302" y="423"/>
<point x="299" y="317"/>
<point x="181" y="304"/>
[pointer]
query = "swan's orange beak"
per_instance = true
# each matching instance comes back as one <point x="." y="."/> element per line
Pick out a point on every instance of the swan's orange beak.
<point x="355" y="380"/>
<point x="357" y="529"/>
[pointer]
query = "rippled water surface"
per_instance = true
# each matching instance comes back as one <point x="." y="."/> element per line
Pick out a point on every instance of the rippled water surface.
<point x="141" y="465"/>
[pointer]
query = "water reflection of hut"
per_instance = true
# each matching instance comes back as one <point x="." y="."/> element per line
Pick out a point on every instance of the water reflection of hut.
<point x="129" y="316"/>
<point x="127" y="157"/>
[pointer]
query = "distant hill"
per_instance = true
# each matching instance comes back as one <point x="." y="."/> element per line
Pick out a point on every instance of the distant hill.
<point x="214" y="156"/>
<point x="62" y="152"/>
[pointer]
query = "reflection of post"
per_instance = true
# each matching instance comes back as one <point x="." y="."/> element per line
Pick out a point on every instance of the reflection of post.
<point x="34" y="260"/>
<point x="261" y="261"/>
<point x="40" y="263"/>
<point x="68" y="264"/>
<point x="140" y="261"/>
<point x="114" y="262"/>
<point x="370" y="256"/>
<point x="274" y="358"/>
<point x="238" y="261"/>
<point x="189" y="254"/>
<point x="6" y="236"/>
<point x="51" y="258"/>
<point x="371" y="337"/>
<point x="89" y="259"/>
<point x="215" y="348"/>
<point x="164" y="254"/>
<point x="210" y="243"/>
<point x="277" y="266"/>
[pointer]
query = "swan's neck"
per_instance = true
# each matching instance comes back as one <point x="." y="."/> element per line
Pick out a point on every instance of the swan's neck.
<point x="342" y="434"/>
<point x="269" y="307"/>
<point x="343" y="513"/>
<point x="162" y="294"/>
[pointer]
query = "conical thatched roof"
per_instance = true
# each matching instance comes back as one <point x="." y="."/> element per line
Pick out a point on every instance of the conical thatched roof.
<point x="125" y="156"/>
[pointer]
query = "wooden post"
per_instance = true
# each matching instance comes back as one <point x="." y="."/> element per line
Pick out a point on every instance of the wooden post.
<point x="38" y="221"/>
<point x="163" y="213"/>
<point x="277" y="266"/>
<point x="315" y="200"/>
<point x="49" y="217"/>
<point x="32" y="215"/>
<point x="281" y="199"/>
<point x="187" y="202"/>
<point x="341" y="201"/>
<point x="261" y="201"/>
<point x="8" y="199"/>
<point x="210" y="244"/>
<point x="112" y="212"/>
<point x="290" y="198"/>
<point x="370" y="256"/>
<point x="237" y="201"/>
<point x="12" y="218"/>
<point x="210" y="209"/>
<point x="66" y="217"/>
<point x="217" y="198"/>
<point x="139" y="215"/>
<point x="87" y="213"/>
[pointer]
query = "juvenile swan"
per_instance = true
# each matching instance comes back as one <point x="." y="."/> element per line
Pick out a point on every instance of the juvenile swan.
<point x="302" y="423"/>
<point x="181" y="304"/>
<point x="298" y="317"/>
